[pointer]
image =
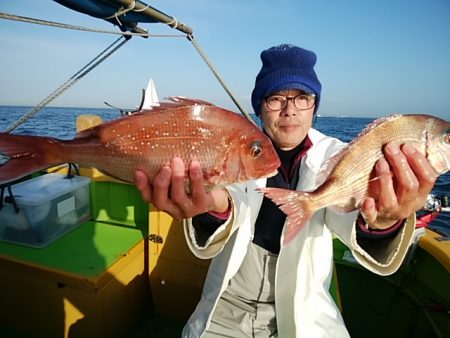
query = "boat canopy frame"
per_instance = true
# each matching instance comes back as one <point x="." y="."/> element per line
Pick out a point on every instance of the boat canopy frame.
<point x="125" y="13"/>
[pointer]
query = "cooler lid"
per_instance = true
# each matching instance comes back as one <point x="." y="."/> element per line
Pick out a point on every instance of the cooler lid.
<point x="46" y="188"/>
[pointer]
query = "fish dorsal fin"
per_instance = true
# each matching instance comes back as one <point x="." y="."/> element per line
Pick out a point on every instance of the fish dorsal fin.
<point x="375" y="124"/>
<point x="176" y="103"/>
<point x="186" y="101"/>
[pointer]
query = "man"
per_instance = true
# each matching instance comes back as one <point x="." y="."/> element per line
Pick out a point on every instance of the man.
<point x="257" y="287"/>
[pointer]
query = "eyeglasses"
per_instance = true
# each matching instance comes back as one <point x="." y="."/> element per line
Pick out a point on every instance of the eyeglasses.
<point x="301" y="101"/>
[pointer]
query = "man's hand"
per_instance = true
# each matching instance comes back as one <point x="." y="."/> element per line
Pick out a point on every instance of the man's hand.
<point x="167" y="192"/>
<point x="404" y="178"/>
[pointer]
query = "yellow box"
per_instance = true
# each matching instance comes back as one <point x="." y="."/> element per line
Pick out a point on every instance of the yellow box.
<point x="91" y="283"/>
<point x="176" y="275"/>
<point x="437" y="246"/>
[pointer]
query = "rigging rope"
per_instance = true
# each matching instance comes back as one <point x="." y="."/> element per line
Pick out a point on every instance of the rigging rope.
<point x="66" y="85"/>
<point x="216" y="74"/>
<point x="80" y="28"/>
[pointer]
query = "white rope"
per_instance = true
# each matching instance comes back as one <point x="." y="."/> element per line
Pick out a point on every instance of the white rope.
<point x="141" y="10"/>
<point x="122" y="12"/>
<point x="173" y="23"/>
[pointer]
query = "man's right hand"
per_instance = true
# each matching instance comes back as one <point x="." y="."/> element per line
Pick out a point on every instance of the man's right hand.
<point x="167" y="191"/>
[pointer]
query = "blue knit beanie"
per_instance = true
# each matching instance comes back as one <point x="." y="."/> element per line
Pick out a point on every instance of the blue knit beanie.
<point x="286" y="67"/>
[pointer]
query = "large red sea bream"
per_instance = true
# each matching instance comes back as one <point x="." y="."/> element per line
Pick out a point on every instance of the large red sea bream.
<point x="346" y="176"/>
<point x="229" y="147"/>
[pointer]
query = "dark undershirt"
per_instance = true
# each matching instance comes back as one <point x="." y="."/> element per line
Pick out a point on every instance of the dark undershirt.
<point x="270" y="221"/>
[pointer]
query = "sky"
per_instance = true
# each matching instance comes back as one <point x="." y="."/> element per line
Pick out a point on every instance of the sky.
<point x="374" y="57"/>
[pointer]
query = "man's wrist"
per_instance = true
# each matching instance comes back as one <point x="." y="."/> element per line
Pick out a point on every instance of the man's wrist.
<point x="222" y="214"/>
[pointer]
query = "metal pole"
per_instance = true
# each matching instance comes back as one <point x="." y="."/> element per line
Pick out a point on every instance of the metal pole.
<point x="154" y="13"/>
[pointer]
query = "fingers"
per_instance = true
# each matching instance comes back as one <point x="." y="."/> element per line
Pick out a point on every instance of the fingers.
<point x="407" y="184"/>
<point x="198" y="193"/>
<point x="168" y="191"/>
<point x="158" y="192"/>
<point x="413" y="174"/>
<point x="422" y="169"/>
<point x="398" y="195"/>
<point x="192" y="202"/>
<point x="177" y="187"/>
<point x="379" y="209"/>
<point x="142" y="184"/>
<point x="386" y="192"/>
<point x="161" y="184"/>
<point x="369" y="210"/>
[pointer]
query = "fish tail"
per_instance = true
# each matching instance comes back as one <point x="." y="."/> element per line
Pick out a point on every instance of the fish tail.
<point x="297" y="205"/>
<point x="23" y="155"/>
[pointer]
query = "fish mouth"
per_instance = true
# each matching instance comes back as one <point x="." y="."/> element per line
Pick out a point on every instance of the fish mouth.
<point x="271" y="174"/>
<point x="273" y="169"/>
<point x="265" y="171"/>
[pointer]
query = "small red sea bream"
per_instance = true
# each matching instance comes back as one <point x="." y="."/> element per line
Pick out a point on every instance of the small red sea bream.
<point x="228" y="147"/>
<point x="346" y="176"/>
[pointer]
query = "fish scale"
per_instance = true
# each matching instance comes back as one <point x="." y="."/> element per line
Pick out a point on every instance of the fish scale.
<point x="344" y="179"/>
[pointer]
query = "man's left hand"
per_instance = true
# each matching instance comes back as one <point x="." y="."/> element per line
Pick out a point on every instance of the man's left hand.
<point x="404" y="178"/>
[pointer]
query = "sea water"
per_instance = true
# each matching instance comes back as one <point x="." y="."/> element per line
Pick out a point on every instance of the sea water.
<point x="60" y="123"/>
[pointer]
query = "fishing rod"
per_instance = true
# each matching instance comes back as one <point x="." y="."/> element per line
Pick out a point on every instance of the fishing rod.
<point x="437" y="203"/>
<point x="434" y="205"/>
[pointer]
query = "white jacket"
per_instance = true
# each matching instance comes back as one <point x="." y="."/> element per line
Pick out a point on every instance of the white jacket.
<point x="303" y="304"/>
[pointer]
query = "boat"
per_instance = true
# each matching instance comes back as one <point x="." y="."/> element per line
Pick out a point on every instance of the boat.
<point x="149" y="100"/>
<point x="126" y="271"/>
<point x="150" y="96"/>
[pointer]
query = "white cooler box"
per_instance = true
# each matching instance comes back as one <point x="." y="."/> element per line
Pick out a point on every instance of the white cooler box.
<point x="49" y="206"/>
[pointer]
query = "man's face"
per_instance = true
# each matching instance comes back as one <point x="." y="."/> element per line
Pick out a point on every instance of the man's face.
<point x="287" y="127"/>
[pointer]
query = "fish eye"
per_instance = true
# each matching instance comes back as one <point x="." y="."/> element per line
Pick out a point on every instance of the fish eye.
<point x="447" y="137"/>
<point x="256" y="149"/>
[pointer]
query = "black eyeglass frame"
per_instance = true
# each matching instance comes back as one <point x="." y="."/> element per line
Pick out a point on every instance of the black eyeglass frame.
<point x="310" y="99"/>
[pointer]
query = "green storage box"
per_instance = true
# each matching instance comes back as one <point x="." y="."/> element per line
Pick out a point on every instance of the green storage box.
<point x="118" y="203"/>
